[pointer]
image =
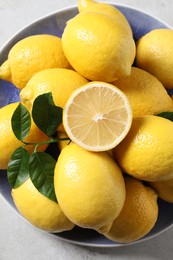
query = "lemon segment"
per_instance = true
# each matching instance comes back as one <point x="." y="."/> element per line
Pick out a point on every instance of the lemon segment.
<point x="97" y="116"/>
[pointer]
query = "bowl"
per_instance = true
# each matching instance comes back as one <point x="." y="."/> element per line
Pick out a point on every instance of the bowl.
<point x="54" y="24"/>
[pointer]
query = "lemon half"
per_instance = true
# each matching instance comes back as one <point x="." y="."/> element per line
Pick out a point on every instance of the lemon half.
<point x="97" y="116"/>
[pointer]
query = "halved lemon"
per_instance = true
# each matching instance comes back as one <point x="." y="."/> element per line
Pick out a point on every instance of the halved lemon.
<point x="97" y="116"/>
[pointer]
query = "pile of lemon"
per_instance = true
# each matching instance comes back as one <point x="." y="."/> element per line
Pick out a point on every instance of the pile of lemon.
<point x="110" y="88"/>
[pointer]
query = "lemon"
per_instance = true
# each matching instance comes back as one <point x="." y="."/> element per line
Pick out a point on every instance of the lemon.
<point x="5" y="71"/>
<point x="97" y="116"/>
<point x="30" y="55"/>
<point x="139" y="214"/>
<point x="89" y="187"/>
<point x="39" y="210"/>
<point x="145" y="93"/>
<point x="98" y="46"/>
<point x="154" y="54"/>
<point x="60" y="82"/>
<point x="91" y="5"/>
<point x="146" y="152"/>
<point x="164" y="189"/>
<point x="8" y="140"/>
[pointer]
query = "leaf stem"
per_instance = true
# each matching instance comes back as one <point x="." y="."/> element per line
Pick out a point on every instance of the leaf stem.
<point x="52" y="140"/>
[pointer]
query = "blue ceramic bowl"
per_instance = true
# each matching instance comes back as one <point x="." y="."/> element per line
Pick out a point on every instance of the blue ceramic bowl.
<point x="54" y="24"/>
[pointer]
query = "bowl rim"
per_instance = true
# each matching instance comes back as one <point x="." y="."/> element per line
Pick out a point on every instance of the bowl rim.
<point x="42" y="17"/>
<point x="71" y="7"/>
<point x="86" y="244"/>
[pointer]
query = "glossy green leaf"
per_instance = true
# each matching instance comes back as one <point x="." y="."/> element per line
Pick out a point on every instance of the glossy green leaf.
<point x="46" y="115"/>
<point x="21" y="122"/>
<point x="167" y="115"/>
<point x="41" y="170"/>
<point x="18" y="167"/>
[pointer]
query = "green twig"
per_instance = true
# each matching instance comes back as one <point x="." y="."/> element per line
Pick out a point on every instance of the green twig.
<point x="53" y="140"/>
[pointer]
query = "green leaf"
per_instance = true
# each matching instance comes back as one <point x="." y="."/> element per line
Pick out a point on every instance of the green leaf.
<point x="41" y="170"/>
<point x="167" y="115"/>
<point x="21" y="122"/>
<point x="18" y="167"/>
<point x="46" y="115"/>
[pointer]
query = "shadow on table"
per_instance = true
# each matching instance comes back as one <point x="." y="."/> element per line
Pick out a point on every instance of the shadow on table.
<point x="159" y="248"/>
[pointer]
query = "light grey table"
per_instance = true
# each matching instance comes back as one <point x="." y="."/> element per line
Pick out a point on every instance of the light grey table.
<point x="18" y="239"/>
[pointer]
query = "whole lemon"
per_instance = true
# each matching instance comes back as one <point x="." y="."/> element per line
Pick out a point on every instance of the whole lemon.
<point x="98" y="46"/>
<point x="146" y="151"/>
<point x="9" y="142"/>
<point x="39" y="210"/>
<point x="89" y="187"/>
<point x="30" y="55"/>
<point x="164" y="189"/>
<point x="60" y="82"/>
<point x="154" y="54"/>
<point x="145" y="93"/>
<point x="139" y="214"/>
<point x="91" y="5"/>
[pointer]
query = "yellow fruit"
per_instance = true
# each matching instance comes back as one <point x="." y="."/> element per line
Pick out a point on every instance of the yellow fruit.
<point x="39" y="210"/>
<point x="155" y="55"/>
<point x="138" y="215"/>
<point x="30" y="55"/>
<point x="91" y="5"/>
<point x="60" y="82"/>
<point x="98" y="46"/>
<point x="146" y="152"/>
<point x="89" y="187"/>
<point x="164" y="189"/>
<point x="5" y="71"/>
<point x="145" y="93"/>
<point x="97" y="116"/>
<point x="8" y="140"/>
